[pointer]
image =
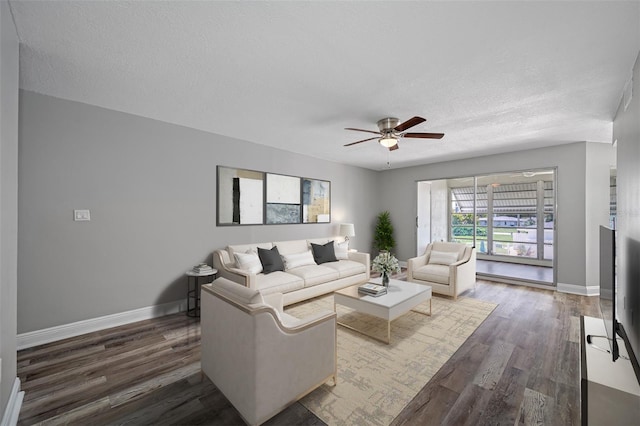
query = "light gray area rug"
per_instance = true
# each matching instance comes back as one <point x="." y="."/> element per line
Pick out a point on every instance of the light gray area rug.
<point x="376" y="381"/>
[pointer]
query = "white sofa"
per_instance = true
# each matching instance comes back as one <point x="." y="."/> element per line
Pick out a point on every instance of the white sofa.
<point x="261" y="358"/>
<point x="449" y="268"/>
<point x="298" y="283"/>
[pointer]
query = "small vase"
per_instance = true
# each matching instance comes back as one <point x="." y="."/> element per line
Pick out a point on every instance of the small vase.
<point x="385" y="279"/>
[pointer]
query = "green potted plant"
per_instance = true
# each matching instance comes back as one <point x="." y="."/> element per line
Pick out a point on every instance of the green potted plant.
<point x="383" y="234"/>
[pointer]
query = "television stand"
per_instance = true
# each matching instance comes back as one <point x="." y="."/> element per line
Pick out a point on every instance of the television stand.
<point x="609" y="391"/>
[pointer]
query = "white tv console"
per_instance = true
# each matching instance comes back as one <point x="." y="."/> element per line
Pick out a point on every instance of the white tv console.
<point x="610" y="393"/>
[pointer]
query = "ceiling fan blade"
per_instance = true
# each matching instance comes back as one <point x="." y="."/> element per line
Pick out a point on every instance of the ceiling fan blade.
<point x="362" y="130"/>
<point x="409" y="123"/>
<point x="424" y="135"/>
<point x="393" y="148"/>
<point x="364" y="140"/>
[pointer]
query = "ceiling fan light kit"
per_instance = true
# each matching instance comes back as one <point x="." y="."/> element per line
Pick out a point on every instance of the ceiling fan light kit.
<point x="390" y="131"/>
<point x="388" y="141"/>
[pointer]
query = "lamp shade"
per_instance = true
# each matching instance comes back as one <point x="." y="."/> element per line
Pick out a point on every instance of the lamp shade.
<point x="347" y="230"/>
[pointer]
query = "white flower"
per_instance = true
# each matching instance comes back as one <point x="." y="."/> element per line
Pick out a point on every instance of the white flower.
<point x="385" y="262"/>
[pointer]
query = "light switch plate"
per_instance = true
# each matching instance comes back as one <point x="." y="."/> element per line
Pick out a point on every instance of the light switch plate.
<point x="81" y="215"/>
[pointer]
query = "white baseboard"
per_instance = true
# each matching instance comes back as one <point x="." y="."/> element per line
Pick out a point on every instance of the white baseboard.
<point x="592" y="290"/>
<point x="508" y="280"/>
<point x="47" y="335"/>
<point x="12" y="411"/>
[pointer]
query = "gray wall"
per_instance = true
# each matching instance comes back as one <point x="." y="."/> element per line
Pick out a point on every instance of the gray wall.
<point x="626" y="129"/>
<point x="570" y="160"/>
<point x="600" y="159"/>
<point x="8" y="199"/>
<point x="151" y="189"/>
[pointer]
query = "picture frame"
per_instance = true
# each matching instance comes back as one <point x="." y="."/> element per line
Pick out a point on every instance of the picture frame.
<point x="252" y="197"/>
<point x="239" y="196"/>
<point x="316" y="201"/>
<point x="283" y="199"/>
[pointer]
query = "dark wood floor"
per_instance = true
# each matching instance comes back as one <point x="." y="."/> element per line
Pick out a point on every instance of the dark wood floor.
<point x="520" y="366"/>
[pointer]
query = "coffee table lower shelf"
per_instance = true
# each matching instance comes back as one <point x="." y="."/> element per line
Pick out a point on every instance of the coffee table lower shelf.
<point x="401" y="298"/>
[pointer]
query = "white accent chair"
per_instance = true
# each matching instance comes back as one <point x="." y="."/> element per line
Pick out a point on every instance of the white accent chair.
<point x="449" y="268"/>
<point x="261" y="358"/>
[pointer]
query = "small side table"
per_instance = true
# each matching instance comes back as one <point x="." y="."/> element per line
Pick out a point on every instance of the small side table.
<point x="193" y="292"/>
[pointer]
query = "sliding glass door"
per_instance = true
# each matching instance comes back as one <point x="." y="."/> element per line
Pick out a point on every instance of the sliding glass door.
<point x="508" y="215"/>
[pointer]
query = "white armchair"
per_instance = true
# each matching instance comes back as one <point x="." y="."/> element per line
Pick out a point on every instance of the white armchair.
<point x="449" y="268"/>
<point x="261" y="358"/>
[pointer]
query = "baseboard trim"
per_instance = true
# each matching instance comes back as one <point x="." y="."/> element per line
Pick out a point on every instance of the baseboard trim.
<point x="12" y="410"/>
<point x="514" y="281"/>
<point x="48" y="335"/>
<point x="592" y="290"/>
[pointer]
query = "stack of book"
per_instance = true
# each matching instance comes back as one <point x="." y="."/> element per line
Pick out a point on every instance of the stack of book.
<point x="202" y="268"/>
<point x="374" y="290"/>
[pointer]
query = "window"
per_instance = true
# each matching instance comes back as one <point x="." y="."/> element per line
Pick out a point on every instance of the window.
<point x="506" y="214"/>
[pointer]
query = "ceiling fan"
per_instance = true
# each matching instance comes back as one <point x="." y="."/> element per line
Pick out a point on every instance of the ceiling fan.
<point x="390" y="131"/>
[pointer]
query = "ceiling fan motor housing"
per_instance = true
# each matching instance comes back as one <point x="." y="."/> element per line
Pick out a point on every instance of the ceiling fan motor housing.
<point x="386" y="125"/>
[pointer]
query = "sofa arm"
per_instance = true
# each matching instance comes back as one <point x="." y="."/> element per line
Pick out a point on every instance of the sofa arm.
<point x="275" y="300"/>
<point x="418" y="261"/>
<point x="467" y="271"/>
<point x="364" y="258"/>
<point x="221" y="259"/>
<point x="462" y="274"/>
<point x="305" y="355"/>
<point x="308" y="321"/>
<point x="227" y="269"/>
<point x="414" y="263"/>
<point x="360" y="257"/>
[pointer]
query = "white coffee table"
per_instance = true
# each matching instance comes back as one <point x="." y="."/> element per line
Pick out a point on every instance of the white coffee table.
<point x="401" y="297"/>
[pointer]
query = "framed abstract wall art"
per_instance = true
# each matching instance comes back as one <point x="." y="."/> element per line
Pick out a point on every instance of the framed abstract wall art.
<point x="251" y="197"/>
<point x="316" y="201"/>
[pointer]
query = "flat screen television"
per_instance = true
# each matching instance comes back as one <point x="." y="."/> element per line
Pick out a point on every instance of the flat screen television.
<point x="608" y="287"/>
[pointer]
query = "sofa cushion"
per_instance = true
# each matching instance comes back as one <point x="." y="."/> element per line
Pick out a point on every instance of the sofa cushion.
<point x="296" y="260"/>
<point x="347" y="268"/>
<point x="244" y="248"/>
<point x="249" y="262"/>
<point x="292" y="246"/>
<point x="323" y="253"/>
<point x="434" y="273"/>
<point x="314" y="275"/>
<point x="443" y="257"/>
<point x="271" y="260"/>
<point x="278" y="282"/>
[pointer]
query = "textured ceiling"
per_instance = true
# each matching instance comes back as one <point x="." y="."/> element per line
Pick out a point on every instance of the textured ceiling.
<point x="493" y="76"/>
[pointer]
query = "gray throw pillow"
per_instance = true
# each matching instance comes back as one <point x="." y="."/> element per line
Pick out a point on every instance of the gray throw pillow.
<point x="271" y="260"/>
<point x="323" y="253"/>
